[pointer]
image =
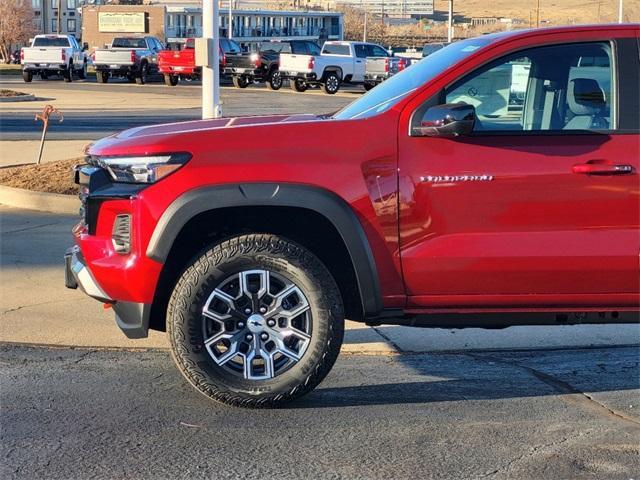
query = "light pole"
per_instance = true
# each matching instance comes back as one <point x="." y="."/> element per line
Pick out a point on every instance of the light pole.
<point x="620" y="12"/>
<point x="230" y="29"/>
<point x="211" y="72"/>
<point x="450" y="23"/>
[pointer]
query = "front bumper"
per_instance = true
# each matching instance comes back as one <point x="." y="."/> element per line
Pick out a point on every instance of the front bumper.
<point x="131" y="317"/>
<point x="78" y="275"/>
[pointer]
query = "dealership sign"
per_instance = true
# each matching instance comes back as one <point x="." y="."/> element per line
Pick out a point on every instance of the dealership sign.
<point x="121" y="22"/>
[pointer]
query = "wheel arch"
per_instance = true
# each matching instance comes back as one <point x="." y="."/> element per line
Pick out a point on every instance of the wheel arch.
<point x="323" y="223"/>
<point x="332" y="69"/>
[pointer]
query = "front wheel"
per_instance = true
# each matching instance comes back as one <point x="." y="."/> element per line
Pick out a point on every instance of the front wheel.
<point x="275" y="80"/>
<point x="27" y="76"/>
<point x="67" y="75"/>
<point x="368" y="86"/>
<point x="239" y="82"/>
<point x="82" y="73"/>
<point x="141" y="78"/>
<point x="298" y="85"/>
<point x="171" y="80"/>
<point x="255" y="321"/>
<point x="102" y="77"/>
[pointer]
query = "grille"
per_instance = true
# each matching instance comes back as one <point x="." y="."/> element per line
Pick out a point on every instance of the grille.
<point x="121" y="235"/>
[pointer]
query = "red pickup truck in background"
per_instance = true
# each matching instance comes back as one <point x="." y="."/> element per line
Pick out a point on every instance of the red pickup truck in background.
<point x="493" y="183"/>
<point x="181" y="64"/>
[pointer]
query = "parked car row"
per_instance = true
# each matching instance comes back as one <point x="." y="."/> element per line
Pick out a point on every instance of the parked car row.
<point x="302" y="62"/>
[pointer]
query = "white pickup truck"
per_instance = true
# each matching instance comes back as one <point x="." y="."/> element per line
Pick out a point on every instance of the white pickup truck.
<point x="339" y="62"/>
<point x="54" y="55"/>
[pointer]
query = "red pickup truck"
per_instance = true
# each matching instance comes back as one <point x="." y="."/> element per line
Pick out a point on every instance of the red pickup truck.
<point x="494" y="183"/>
<point x="174" y="65"/>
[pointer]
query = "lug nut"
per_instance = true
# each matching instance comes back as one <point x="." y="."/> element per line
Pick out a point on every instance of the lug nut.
<point x="249" y="337"/>
<point x="264" y="336"/>
<point x="247" y="311"/>
<point x="271" y="322"/>
<point x="240" y="324"/>
<point x="263" y="309"/>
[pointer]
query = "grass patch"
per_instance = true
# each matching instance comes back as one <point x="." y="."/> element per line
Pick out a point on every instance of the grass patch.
<point x="52" y="177"/>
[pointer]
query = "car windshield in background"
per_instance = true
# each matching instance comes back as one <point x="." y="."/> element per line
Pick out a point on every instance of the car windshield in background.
<point x="388" y="93"/>
<point x="335" y="49"/>
<point x="129" y="43"/>
<point x="51" y="42"/>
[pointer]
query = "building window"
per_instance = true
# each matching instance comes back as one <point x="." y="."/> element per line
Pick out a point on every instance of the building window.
<point x="71" y="25"/>
<point x="36" y="4"/>
<point x="54" y="25"/>
<point x="71" y="4"/>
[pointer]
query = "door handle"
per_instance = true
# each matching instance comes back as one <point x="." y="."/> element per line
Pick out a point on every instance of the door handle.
<point x="599" y="167"/>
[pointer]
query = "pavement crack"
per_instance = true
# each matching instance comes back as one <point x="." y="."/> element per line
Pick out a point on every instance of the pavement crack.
<point x="535" y="450"/>
<point x="32" y="227"/>
<point x="20" y="307"/>
<point x="562" y="387"/>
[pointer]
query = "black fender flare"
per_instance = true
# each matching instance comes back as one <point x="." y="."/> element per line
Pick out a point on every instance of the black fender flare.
<point x="326" y="203"/>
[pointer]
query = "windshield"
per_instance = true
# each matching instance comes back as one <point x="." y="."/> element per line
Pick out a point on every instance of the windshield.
<point x="128" y="43"/>
<point x="51" y="42"/>
<point x="388" y="93"/>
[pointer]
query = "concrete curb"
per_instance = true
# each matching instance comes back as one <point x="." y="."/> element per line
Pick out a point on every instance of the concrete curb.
<point x="46" y="202"/>
<point x="19" y="98"/>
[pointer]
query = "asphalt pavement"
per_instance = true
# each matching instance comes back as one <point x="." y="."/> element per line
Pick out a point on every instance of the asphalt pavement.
<point x="81" y="413"/>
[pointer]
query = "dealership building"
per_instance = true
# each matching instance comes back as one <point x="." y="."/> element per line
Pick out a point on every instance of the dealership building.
<point x="173" y="23"/>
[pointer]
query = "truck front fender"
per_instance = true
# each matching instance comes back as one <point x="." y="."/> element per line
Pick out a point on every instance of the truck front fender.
<point x="331" y="206"/>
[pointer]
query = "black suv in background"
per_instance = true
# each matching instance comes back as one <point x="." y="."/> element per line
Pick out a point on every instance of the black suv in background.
<point x="262" y="66"/>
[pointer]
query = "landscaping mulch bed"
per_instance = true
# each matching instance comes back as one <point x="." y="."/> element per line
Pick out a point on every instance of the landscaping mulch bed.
<point x="52" y="177"/>
<point x="11" y="93"/>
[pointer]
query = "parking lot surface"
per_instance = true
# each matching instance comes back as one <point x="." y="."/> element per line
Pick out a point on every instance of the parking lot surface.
<point x="77" y="413"/>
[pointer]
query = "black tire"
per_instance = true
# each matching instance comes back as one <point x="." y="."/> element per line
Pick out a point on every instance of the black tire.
<point x="82" y="73"/>
<point x="331" y="83"/>
<point x="171" y="80"/>
<point x="298" y="85"/>
<point x="141" y="78"/>
<point x="239" y="82"/>
<point x="102" y="77"/>
<point x="67" y="74"/>
<point x="186" y="323"/>
<point x="368" y="86"/>
<point x="275" y="80"/>
<point x="27" y="76"/>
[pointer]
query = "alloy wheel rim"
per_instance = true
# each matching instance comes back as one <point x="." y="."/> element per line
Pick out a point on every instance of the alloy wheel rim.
<point x="332" y="83"/>
<point x="276" y="79"/>
<point x="257" y="324"/>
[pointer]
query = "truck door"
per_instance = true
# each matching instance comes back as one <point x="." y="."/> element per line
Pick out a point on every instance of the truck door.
<point x="541" y="203"/>
<point x="359" y="62"/>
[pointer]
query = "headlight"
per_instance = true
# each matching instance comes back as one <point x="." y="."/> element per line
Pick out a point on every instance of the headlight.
<point x="140" y="169"/>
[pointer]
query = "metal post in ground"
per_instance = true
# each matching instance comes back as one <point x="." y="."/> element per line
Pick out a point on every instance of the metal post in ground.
<point x="44" y="116"/>
<point x="450" y="23"/>
<point x="211" y="72"/>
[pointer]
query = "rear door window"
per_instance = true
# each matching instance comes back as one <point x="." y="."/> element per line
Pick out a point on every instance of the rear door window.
<point x="361" y="51"/>
<point x="376" y="51"/>
<point x="313" y="48"/>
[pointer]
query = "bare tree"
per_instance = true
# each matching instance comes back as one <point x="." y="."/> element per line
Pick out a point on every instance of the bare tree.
<point x="16" y="25"/>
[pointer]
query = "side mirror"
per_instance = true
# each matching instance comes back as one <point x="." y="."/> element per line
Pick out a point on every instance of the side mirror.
<point x="85" y="46"/>
<point x="448" y="120"/>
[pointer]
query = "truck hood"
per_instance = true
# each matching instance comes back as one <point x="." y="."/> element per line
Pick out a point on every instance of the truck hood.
<point x="155" y="138"/>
